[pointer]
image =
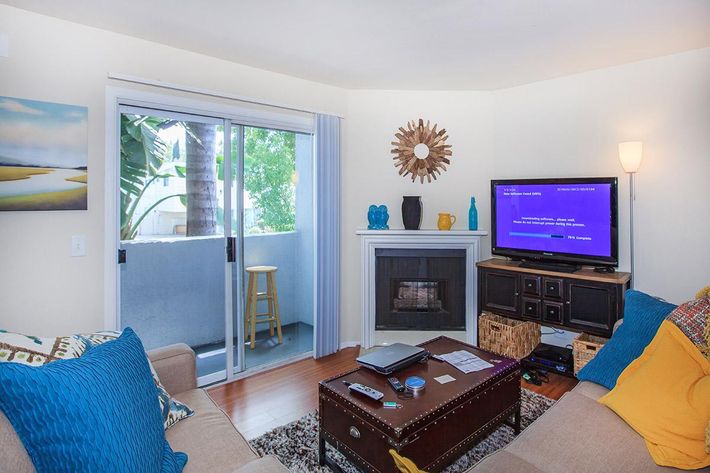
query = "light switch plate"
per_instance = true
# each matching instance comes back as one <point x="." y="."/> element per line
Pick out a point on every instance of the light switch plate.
<point x="78" y="245"/>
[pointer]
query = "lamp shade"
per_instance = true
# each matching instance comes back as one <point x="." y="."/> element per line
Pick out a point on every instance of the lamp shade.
<point x="630" y="154"/>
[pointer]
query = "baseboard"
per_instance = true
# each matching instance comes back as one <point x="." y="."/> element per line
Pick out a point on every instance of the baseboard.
<point x="350" y="344"/>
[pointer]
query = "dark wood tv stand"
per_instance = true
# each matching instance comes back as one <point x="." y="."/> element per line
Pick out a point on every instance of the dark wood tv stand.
<point x="583" y="301"/>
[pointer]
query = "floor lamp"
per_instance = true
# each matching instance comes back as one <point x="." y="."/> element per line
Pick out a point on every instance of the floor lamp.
<point x="630" y="155"/>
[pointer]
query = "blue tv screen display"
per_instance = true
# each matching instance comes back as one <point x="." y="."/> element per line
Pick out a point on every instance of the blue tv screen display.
<point x="556" y="218"/>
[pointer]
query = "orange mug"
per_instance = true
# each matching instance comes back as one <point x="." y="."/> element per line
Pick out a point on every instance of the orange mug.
<point x="446" y="221"/>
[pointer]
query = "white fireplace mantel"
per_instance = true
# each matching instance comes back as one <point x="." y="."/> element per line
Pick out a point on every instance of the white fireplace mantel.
<point x="370" y="240"/>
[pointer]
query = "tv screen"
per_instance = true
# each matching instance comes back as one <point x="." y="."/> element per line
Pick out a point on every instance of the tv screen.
<point x="565" y="220"/>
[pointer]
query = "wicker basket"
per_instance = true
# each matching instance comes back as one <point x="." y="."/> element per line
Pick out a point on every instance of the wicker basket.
<point x="584" y="348"/>
<point x="507" y="337"/>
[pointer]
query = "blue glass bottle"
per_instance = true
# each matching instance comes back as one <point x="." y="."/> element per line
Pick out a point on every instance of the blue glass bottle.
<point x="473" y="215"/>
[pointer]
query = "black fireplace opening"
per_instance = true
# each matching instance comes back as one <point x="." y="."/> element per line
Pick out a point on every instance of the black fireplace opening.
<point x="420" y="289"/>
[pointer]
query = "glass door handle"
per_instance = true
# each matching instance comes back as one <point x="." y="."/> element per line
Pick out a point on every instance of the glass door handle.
<point x="231" y="249"/>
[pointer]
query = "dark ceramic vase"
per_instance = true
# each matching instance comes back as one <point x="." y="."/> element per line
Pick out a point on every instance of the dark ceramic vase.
<point x="412" y="212"/>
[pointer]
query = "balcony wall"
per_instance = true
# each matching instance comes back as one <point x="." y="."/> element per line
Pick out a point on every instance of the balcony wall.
<point x="173" y="290"/>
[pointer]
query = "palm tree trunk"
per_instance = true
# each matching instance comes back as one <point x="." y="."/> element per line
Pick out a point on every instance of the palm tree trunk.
<point x="201" y="179"/>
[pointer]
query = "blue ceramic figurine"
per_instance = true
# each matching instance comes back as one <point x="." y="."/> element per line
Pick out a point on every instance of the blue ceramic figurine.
<point x="378" y="217"/>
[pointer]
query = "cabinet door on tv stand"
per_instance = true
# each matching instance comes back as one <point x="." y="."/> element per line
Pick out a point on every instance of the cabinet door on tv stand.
<point x="500" y="292"/>
<point x="590" y="307"/>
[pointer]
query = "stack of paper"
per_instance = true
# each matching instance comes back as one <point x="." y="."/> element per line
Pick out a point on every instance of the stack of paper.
<point x="465" y="361"/>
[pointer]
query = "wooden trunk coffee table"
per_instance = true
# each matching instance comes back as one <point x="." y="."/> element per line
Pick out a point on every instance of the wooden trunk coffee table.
<point x="434" y="427"/>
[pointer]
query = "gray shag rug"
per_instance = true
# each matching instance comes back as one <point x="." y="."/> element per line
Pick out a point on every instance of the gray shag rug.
<point x="296" y="444"/>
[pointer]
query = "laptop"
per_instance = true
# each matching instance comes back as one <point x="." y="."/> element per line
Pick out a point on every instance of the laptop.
<point x="393" y="357"/>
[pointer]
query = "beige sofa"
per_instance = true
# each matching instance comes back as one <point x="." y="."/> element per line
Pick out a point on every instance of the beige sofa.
<point x="209" y="438"/>
<point x="576" y="435"/>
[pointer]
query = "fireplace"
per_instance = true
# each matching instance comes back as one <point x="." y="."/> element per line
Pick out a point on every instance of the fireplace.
<point x="420" y="289"/>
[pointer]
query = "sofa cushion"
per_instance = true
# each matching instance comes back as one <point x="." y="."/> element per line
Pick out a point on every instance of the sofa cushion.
<point x="208" y="437"/>
<point x="504" y="462"/>
<point x="94" y="413"/>
<point x="37" y="351"/>
<point x="672" y="416"/>
<point x="579" y="434"/>
<point x="176" y="367"/>
<point x="591" y="390"/>
<point x="13" y="456"/>
<point x="643" y="315"/>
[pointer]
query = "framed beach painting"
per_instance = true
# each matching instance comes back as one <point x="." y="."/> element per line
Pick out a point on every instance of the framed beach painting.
<point x="43" y="155"/>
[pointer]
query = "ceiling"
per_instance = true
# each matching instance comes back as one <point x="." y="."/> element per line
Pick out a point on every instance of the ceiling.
<point x="406" y="44"/>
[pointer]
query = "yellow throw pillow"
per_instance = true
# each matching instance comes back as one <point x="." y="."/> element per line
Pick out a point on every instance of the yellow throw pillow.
<point x="664" y="395"/>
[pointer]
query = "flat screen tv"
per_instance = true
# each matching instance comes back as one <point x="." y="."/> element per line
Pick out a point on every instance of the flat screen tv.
<point x="567" y="220"/>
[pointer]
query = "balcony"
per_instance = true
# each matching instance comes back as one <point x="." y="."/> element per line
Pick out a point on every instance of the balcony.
<point x="173" y="290"/>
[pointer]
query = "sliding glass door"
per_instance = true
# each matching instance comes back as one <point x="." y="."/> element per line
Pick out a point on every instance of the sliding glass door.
<point x="205" y="205"/>
<point x="172" y="242"/>
<point x="278" y="237"/>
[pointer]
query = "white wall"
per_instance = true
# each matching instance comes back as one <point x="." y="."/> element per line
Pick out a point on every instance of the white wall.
<point x="571" y="127"/>
<point x="43" y="290"/>
<point x="369" y="175"/>
<point x="562" y="127"/>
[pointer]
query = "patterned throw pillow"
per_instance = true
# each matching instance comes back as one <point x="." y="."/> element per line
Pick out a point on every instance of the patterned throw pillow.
<point x="691" y="318"/>
<point x="37" y="351"/>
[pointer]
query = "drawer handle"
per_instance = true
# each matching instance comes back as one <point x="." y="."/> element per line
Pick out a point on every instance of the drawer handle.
<point x="354" y="432"/>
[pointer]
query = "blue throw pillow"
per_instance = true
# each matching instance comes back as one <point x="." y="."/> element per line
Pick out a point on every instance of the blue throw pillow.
<point x="643" y="315"/>
<point x="96" y="413"/>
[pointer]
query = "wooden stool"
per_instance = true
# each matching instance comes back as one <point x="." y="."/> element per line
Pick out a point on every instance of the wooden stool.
<point x="253" y="297"/>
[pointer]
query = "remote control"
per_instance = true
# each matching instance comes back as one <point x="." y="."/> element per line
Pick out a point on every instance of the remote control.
<point x="396" y="385"/>
<point x="366" y="390"/>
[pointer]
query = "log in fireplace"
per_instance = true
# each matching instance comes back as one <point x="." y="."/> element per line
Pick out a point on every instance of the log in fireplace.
<point x="420" y="289"/>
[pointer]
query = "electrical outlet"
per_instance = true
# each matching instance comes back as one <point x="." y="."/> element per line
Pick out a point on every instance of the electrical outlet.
<point x="78" y="245"/>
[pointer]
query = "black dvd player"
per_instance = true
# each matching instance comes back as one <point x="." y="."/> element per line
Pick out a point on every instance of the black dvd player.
<point x="551" y="358"/>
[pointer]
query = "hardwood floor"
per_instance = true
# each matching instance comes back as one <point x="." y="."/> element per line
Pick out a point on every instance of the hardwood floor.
<point x="266" y="400"/>
<point x="557" y="386"/>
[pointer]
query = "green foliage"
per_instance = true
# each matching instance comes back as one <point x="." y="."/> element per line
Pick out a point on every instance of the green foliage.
<point x="143" y="153"/>
<point x="269" y="165"/>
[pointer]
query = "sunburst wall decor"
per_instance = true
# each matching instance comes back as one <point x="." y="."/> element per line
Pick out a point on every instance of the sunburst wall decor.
<point x="421" y="151"/>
